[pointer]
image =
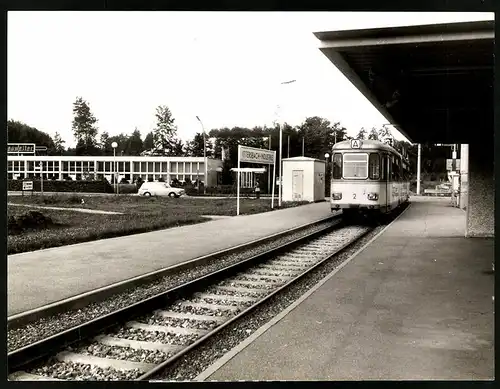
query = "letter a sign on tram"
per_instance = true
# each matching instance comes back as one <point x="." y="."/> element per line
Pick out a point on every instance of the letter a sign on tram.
<point x="355" y="144"/>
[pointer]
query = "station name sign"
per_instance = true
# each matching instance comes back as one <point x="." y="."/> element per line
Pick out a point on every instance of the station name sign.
<point x="253" y="155"/>
<point x="20" y="148"/>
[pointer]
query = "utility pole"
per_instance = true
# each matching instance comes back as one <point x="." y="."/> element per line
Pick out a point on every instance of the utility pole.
<point x="288" y="146"/>
<point x="419" y="157"/>
<point x="269" y="171"/>
<point x="302" y="146"/>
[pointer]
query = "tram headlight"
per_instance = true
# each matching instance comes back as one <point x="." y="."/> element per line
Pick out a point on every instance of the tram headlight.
<point x="337" y="196"/>
<point x="373" y="196"/>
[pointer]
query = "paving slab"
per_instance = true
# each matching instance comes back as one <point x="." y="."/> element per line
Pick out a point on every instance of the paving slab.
<point x="416" y="304"/>
<point x="46" y="276"/>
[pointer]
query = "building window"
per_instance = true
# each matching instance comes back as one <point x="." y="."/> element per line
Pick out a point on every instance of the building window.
<point x="157" y="167"/>
<point x="100" y="166"/>
<point x="173" y="167"/>
<point x="10" y="166"/>
<point x="65" y="166"/>
<point x="143" y="167"/>
<point x="164" y="167"/>
<point x="150" y="167"/>
<point x="188" y="167"/>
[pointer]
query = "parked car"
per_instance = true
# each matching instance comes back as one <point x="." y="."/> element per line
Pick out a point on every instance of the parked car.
<point x="160" y="189"/>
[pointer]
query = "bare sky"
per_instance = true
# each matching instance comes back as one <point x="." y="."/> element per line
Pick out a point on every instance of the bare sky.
<point x="224" y="67"/>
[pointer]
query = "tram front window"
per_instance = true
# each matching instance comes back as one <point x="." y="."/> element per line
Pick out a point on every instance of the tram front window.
<point x="355" y="166"/>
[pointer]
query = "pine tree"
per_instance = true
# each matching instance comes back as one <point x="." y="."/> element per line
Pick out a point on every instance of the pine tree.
<point x="84" y="125"/>
<point x="165" y="131"/>
<point x="58" y="144"/>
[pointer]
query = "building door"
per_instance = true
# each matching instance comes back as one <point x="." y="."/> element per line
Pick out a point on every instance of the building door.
<point x="297" y="185"/>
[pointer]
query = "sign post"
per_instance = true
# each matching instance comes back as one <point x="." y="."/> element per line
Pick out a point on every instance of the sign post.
<point x="39" y="167"/>
<point x="254" y="155"/>
<point x="27" y="186"/>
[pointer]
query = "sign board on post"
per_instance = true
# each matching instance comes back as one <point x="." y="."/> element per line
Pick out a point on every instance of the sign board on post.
<point x="27" y="185"/>
<point x="20" y="148"/>
<point x="254" y="155"/>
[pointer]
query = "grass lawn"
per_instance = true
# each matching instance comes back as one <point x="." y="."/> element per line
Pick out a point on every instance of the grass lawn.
<point x="140" y="214"/>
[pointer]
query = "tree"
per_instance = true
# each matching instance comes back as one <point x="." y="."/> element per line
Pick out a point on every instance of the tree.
<point x="135" y="145"/>
<point x="19" y="132"/>
<point x="361" y="134"/>
<point x="148" y="143"/>
<point x="104" y="143"/>
<point x="194" y="148"/>
<point x="177" y="148"/>
<point x="84" y="126"/>
<point x="374" y="134"/>
<point x="58" y="144"/>
<point x="165" y="131"/>
<point x="318" y="136"/>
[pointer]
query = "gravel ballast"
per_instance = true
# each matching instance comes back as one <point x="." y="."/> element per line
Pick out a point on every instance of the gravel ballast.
<point x="149" y="336"/>
<point x="124" y="353"/>
<point x="83" y="372"/>
<point x="195" y="362"/>
<point x="45" y="327"/>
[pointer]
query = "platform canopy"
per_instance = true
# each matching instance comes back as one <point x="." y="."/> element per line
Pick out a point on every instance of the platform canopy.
<point x="434" y="82"/>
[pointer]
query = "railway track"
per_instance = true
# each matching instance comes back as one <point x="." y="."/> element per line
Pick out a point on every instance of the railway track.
<point x="141" y="340"/>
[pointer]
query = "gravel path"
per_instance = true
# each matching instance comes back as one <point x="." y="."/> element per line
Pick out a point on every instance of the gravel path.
<point x="40" y="329"/>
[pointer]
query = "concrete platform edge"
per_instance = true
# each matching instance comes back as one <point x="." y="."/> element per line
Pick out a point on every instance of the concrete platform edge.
<point x="219" y="363"/>
<point x="84" y="299"/>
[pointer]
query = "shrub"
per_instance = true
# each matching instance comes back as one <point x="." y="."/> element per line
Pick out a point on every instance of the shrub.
<point x="101" y="186"/>
<point x="128" y="188"/>
<point x="32" y="220"/>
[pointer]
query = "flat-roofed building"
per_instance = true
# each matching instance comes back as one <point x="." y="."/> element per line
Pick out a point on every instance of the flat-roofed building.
<point x="127" y="167"/>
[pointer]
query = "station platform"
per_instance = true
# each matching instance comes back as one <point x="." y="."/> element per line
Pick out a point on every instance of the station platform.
<point x="38" y="278"/>
<point x="415" y="304"/>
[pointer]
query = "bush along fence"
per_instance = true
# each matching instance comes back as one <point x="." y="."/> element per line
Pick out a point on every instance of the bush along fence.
<point x="103" y="186"/>
<point x="63" y="186"/>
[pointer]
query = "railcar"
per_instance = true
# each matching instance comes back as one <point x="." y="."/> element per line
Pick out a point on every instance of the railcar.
<point x="369" y="178"/>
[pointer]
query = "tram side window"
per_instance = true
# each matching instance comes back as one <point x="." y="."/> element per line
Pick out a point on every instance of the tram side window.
<point x="383" y="167"/>
<point x="374" y="166"/>
<point x="337" y="166"/>
<point x="394" y="170"/>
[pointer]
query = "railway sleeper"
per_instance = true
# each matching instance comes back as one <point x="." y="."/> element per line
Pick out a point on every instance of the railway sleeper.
<point x="165" y="329"/>
<point x="138" y="344"/>
<point x="224" y="297"/>
<point x="190" y="316"/>
<point x="103" y="363"/>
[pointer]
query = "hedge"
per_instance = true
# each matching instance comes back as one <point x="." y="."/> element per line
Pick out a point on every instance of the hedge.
<point x="63" y="186"/>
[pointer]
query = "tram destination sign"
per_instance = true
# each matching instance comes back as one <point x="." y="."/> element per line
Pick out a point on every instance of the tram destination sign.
<point x="253" y="155"/>
<point x="20" y="148"/>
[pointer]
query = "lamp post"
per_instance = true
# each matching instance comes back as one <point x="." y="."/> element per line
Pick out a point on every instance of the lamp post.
<point x="204" y="156"/>
<point x="114" y="145"/>
<point x="327" y="177"/>
<point x="281" y="149"/>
